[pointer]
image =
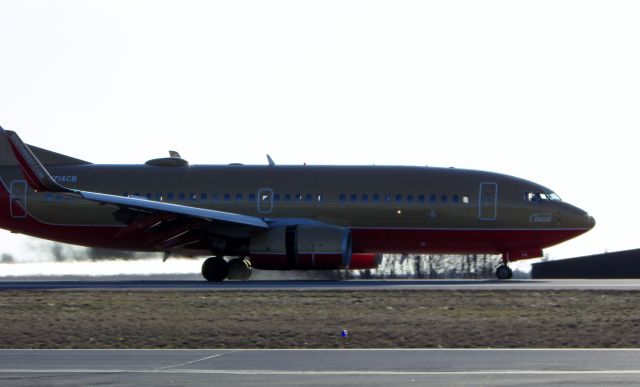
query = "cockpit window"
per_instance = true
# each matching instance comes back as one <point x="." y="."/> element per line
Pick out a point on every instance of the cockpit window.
<point x="541" y="197"/>
<point x="554" y="197"/>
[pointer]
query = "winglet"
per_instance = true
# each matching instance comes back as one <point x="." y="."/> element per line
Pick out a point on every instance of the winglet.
<point x="34" y="172"/>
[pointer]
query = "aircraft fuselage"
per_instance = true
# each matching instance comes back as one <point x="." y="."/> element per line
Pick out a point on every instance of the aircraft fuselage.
<point x="388" y="209"/>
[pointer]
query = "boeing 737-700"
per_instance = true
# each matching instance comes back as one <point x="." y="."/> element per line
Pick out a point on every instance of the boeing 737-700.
<point x="277" y="217"/>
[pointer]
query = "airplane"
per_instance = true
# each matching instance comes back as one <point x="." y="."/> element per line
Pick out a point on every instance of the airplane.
<point x="279" y="217"/>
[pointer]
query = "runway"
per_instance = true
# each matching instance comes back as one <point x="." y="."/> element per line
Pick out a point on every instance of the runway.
<point x="346" y="285"/>
<point x="319" y="367"/>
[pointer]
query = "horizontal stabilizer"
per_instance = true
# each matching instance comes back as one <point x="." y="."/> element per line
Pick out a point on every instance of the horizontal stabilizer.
<point x="34" y="172"/>
<point x="46" y="157"/>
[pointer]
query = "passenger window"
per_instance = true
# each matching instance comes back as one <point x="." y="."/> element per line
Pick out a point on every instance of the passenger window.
<point x="365" y="198"/>
<point x="203" y="197"/>
<point x="376" y="198"/>
<point x="252" y="197"/>
<point x="181" y="196"/>
<point x="433" y="198"/>
<point x="354" y="198"/>
<point x="227" y="197"/>
<point x="215" y="197"/>
<point x="308" y="198"/>
<point x="238" y="197"/>
<point x="276" y="197"/>
<point x="299" y="197"/>
<point x="410" y="198"/>
<point x="443" y="198"/>
<point x="126" y="194"/>
<point x="455" y="198"/>
<point x="387" y="198"/>
<point x="319" y="198"/>
<point x="398" y="198"/>
<point x="159" y="196"/>
<point x="465" y="199"/>
<point x="170" y="197"/>
<point x="421" y="198"/>
<point x="342" y="198"/>
<point x="287" y="197"/>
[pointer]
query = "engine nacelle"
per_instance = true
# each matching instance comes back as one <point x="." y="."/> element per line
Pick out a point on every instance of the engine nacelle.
<point x="304" y="247"/>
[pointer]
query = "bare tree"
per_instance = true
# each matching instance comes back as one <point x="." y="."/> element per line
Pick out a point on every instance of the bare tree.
<point x="7" y="258"/>
<point x="435" y="266"/>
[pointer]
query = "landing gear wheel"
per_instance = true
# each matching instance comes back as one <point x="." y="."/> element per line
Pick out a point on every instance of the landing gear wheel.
<point x="239" y="269"/>
<point x="504" y="272"/>
<point x="215" y="269"/>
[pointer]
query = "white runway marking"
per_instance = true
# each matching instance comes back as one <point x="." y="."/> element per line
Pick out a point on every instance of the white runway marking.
<point x="323" y="373"/>
<point x="195" y="361"/>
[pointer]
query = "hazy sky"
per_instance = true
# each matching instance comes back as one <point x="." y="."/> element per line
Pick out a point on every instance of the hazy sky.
<point x="545" y="90"/>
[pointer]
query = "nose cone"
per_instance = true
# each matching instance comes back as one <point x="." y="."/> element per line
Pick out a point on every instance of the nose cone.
<point x="578" y="218"/>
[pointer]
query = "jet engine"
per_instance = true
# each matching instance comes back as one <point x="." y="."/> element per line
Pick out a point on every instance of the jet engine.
<point x="301" y="247"/>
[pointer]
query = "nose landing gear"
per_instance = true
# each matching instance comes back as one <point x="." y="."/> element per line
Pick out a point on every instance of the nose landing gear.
<point x="503" y="271"/>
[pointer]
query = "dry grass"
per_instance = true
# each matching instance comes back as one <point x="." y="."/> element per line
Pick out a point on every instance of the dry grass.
<point x="314" y="319"/>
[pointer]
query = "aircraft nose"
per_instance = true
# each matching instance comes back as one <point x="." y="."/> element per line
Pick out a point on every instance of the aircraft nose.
<point x="591" y="221"/>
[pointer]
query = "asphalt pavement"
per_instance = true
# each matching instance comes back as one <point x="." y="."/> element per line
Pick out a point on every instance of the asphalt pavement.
<point x="144" y="284"/>
<point x="460" y="367"/>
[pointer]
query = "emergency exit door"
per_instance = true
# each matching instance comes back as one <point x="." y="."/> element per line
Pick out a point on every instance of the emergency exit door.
<point x="265" y="200"/>
<point x="488" y="201"/>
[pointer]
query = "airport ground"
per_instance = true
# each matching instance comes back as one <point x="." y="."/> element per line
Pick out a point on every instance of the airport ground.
<point x="507" y="318"/>
<point x="325" y="367"/>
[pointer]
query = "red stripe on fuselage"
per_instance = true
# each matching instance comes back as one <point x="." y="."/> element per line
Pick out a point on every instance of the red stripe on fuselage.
<point x="466" y="241"/>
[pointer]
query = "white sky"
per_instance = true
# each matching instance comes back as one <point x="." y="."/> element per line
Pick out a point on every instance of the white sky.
<point x="544" y="90"/>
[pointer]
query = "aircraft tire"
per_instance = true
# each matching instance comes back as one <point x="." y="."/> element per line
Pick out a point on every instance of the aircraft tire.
<point x="504" y="272"/>
<point x="239" y="269"/>
<point x="215" y="269"/>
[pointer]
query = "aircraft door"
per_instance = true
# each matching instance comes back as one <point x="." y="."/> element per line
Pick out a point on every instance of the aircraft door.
<point x="488" y="201"/>
<point x="265" y="200"/>
<point x="18" y="199"/>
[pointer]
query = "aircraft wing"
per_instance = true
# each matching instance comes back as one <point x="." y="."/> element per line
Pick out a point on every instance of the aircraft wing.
<point x="39" y="179"/>
<point x="154" y="206"/>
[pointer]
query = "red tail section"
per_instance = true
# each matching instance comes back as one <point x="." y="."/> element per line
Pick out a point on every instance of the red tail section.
<point x="34" y="172"/>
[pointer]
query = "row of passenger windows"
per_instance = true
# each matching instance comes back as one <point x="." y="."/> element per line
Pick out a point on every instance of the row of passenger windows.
<point x="387" y="198"/>
<point x="277" y="197"/>
<point x="287" y="198"/>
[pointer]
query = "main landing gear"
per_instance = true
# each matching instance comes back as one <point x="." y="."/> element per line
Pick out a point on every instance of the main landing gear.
<point x="216" y="269"/>
<point x="503" y="271"/>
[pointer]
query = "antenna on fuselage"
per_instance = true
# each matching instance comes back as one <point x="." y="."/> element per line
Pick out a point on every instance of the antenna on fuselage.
<point x="271" y="162"/>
